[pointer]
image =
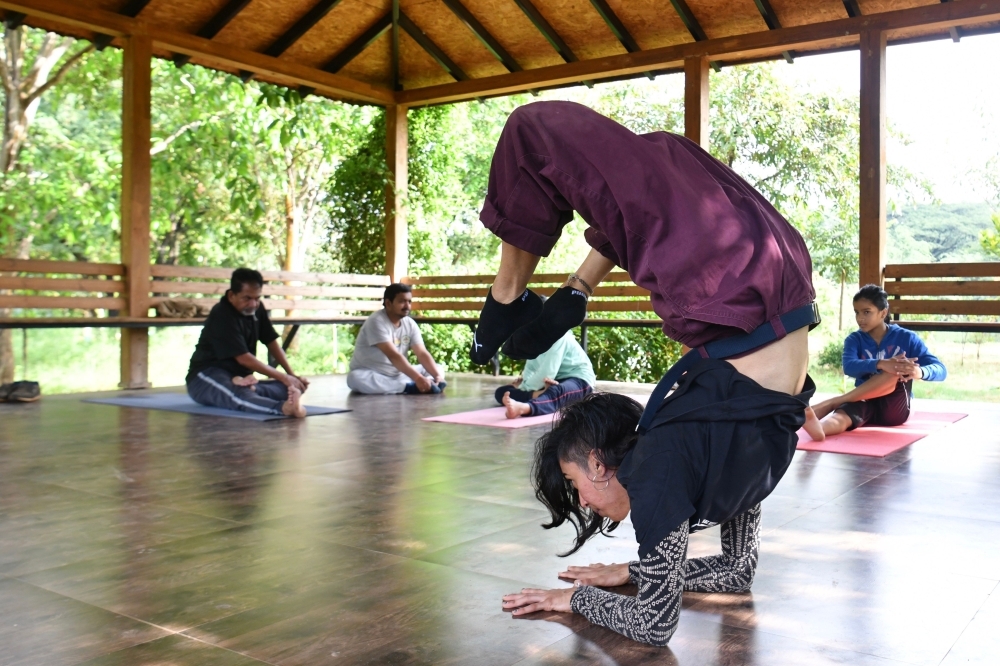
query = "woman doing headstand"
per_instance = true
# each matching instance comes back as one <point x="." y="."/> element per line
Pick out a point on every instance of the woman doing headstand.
<point x="884" y="359"/>
<point x="729" y="276"/>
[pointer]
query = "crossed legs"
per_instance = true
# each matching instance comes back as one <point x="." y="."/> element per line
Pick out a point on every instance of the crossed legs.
<point x="824" y="418"/>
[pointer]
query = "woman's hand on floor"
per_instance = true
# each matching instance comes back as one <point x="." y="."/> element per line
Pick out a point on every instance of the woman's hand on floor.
<point x="531" y="600"/>
<point x="600" y="575"/>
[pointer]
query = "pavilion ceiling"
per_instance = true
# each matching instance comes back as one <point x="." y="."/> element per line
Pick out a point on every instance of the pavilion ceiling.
<point x="429" y="51"/>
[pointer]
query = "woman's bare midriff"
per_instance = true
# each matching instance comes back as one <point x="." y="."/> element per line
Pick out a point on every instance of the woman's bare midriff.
<point x="781" y="365"/>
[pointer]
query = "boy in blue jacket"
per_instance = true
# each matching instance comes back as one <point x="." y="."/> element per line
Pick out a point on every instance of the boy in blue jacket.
<point x="884" y="359"/>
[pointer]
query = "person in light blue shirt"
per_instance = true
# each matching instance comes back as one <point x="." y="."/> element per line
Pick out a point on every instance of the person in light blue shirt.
<point x="884" y="359"/>
<point x="558" y="377"/>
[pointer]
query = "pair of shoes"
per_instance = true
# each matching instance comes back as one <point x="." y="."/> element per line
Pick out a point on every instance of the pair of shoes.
<point x="20" y="392"/>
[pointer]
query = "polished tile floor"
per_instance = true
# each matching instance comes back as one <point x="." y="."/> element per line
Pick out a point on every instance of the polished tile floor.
<point x="130" y="537"/>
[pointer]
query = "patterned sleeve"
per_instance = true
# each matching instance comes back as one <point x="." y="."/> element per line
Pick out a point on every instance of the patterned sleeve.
<point x="651" y="616"/>
<point x="734" y="569"/>
<point x="633" y="572"/>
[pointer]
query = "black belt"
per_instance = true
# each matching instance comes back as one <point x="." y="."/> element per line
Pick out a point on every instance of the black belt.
<point x="777" y="328"/>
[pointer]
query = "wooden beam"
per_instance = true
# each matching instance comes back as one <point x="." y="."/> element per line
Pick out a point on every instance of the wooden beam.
<point x="773" y="23"/>
<point x="548" y="32"/>
<point x="396" y="150"/>
<point x="397" y="83"/>
<point x="956" y="36"/>
<point x="481" y="33"/>
<point x="759" y="45"/>
<point x="691" y="23"/>
<point x="215" y="25"/>
<point x="872" y="135"/>
<point x="432" y="49"/>
<point x="853" y="10"/>
<point x="696" y="102"/>
<point x="211" y="53"/>
<point x="135" y="205"/>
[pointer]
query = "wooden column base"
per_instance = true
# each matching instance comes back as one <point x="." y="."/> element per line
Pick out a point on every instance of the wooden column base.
<point x="135" y="358"/>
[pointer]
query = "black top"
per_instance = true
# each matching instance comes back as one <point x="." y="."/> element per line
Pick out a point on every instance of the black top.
<point x="718" y="446"/>
<point x="229" y="333"/>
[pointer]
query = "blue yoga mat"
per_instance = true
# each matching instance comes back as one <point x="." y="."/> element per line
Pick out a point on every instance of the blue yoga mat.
<point x="181" y="402"/>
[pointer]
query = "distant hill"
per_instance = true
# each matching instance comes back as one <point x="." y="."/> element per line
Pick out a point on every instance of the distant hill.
<point x="939" y="233"/>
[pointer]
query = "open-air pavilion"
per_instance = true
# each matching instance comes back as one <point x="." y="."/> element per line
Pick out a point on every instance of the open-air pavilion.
<point x="134" y="537"/>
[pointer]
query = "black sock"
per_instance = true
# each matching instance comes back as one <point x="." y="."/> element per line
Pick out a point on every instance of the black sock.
<point x="497" y="321"/>
<point x="565" y="310"/>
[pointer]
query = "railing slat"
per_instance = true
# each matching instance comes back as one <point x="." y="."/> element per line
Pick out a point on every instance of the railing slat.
<point x="944" y="288"/>
<point x="59" y="267"/>
<point x="956" y="270"/>
<point x="61" y="302"/>
<point x="62" y="284"/>
<point x="945" y="307"/>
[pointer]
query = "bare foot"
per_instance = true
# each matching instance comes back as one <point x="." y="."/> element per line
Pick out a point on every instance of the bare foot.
<point x="515" y="409"/>
<point x="813" y="427"/>
<point x="249" y="380"/>
<point x="293" y="406"/>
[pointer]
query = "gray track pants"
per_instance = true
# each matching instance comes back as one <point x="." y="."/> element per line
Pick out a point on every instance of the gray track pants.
<point x="213" y="387"/>
<point x="371" y="382"/>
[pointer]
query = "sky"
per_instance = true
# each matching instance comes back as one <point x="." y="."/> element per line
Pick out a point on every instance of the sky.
<point x="943" y="96"/>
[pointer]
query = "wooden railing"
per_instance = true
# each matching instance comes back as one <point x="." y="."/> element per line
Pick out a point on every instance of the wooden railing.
<point x="73" y="289"/>
<point x="287" y="291"/>
<point x="60" y="285"/>
<point x="961" y="290"/>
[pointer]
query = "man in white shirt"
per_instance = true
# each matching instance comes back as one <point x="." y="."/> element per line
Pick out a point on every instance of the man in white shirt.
<point x="379" y="363"/>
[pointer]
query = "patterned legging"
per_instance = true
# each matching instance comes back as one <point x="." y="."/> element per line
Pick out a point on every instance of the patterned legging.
<point x="651" y="616"/>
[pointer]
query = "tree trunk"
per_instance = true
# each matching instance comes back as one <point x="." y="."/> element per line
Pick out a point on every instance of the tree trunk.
<point x="291" y="246"/>
<point x="843" y="282"/>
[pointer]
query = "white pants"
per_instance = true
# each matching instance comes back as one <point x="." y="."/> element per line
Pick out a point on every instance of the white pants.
<point x="369" y="381"/>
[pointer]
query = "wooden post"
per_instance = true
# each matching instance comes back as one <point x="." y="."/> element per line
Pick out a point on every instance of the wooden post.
<point x="396" y="153"/>
<point x="696" y="106"/>
<point x="872" y="194"/>
<point x="136" y="80"/>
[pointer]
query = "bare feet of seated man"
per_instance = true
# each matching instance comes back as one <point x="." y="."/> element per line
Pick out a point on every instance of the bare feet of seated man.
<point x="293" y="406"/>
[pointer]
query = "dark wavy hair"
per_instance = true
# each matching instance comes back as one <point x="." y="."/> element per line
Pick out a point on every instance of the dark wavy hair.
<point x="603" y="423"/>
<point x="876" y="295"/>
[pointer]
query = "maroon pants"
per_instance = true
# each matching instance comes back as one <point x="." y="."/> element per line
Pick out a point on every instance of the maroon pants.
<point x="888" y="410"/>
<point x="717" y="258"/>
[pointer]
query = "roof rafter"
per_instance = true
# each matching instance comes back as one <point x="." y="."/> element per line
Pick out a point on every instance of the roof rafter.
<point x="618" y="29"/>
<point x="432" y="49"/>
<point x="219" y="56"/>
<point x="691" y="23"/>
<point x="295" y="33"/>
<point x="480" y="31"/>
<point x="757" y="46"/>
<point x="548" y="32"/>
<point x="396" y="82"/>
<point x="215" y="24"/>
<point x="852" y="7"/>
<point x="131" y="9"/>
<point x="354" y="49"/>
<point x="771" y="20"/>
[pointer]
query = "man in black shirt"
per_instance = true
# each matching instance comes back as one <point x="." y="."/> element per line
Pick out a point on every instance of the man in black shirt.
<point x="222" y="368"/>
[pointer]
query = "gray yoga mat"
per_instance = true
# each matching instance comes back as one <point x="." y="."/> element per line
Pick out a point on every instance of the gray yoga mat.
<point x="180" y="402"/>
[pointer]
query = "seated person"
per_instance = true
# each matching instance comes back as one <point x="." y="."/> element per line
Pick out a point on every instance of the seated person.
<point x="536" y="392"/>
<point x="223" y="363"/>
<point x="884" y="359"/>
<point x="379" y="363"/>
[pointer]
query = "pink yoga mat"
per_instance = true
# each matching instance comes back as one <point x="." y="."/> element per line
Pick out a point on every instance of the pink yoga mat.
<point x="495" y="417"/>
<point x="879" y="442"/>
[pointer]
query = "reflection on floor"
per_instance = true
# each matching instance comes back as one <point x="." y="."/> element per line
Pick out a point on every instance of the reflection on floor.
<point x="133" y="537"/>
